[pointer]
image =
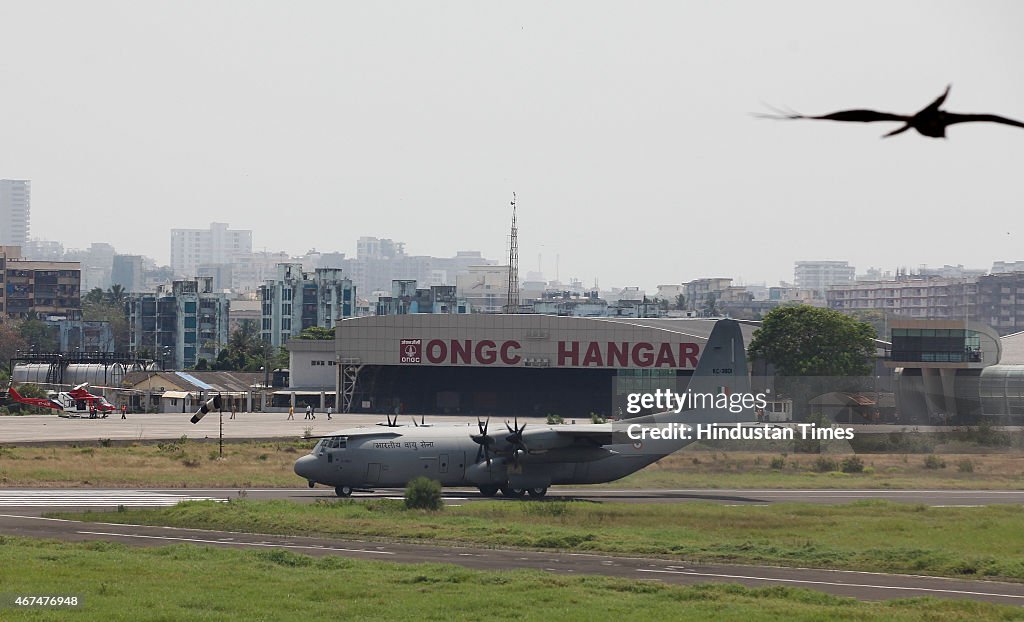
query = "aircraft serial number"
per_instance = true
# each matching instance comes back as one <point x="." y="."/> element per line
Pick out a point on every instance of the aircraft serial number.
<point x="722" y="370"/>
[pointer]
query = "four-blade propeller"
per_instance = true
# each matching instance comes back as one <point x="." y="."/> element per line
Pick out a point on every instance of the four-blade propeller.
<point x="516" y="440"/>
<point x="484" y="440"/>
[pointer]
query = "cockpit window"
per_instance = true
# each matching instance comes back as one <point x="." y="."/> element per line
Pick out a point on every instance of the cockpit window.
<point x="331" y="442"/>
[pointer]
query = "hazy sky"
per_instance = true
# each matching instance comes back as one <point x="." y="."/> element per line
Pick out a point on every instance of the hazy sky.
<point x="624" y="128"/>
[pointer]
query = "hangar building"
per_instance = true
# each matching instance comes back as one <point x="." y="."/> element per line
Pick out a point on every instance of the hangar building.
<point x="492" y="364"/>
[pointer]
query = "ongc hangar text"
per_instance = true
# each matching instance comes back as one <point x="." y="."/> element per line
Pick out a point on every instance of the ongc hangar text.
<point x="505" y="364"/>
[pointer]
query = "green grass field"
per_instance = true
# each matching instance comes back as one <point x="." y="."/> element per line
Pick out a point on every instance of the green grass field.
<point x="185" y="582"/>
<point x="180" y="464"/>
<point x="872" y="536"/>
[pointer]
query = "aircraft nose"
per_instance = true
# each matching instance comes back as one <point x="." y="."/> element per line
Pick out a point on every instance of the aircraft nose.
<point x="304" y="467"/>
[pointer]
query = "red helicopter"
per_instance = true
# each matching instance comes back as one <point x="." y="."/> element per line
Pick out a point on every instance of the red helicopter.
<point x="74" y="403"/>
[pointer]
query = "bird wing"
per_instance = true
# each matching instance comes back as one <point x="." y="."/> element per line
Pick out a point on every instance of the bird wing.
<point x="858" y="116"/>
<point x="952" y="118"/>
<point x="932" y="107"/>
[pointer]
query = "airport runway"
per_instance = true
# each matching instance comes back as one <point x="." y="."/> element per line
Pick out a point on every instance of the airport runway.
<point x="70" y="498"/>
<point x="861" y="585"/>
<point x="49" y="499"/>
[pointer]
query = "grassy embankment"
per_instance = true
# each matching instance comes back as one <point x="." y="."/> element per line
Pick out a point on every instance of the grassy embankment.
<point x="185" y="582"/>
<point x="870" y="535"/>
<point x="177" y="464"/>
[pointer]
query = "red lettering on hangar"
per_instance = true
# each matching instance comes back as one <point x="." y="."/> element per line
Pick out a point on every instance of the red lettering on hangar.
<point x="623" y="354"/>
<point x="470" y="352"/>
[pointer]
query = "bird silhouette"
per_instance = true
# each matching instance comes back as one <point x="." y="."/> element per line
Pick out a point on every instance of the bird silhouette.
<point x="929" y="121"/>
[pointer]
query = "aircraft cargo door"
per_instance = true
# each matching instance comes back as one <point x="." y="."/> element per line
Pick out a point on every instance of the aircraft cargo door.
<point x="451" y="468"/>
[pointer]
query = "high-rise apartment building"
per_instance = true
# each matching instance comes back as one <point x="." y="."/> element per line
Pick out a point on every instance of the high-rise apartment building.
<point x="295" y="300"/>
<point x="128" y="271"/>
<point x="216" y="245"/>
<point x="38" y="289"/>
<point x="15" y="201"/>
<point x="820" y="275"/>
<point x="181" y="324"/>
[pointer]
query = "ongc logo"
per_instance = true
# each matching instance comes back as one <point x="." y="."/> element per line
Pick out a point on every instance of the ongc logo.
<point x="411" y="350"/>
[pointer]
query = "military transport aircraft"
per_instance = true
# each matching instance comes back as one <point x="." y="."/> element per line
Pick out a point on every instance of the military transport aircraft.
<point x="525" y="460"/>
<point x="77" y="402"/>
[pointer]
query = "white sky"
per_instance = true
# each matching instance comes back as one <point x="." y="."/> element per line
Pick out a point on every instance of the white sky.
<point x="624" y="128"/>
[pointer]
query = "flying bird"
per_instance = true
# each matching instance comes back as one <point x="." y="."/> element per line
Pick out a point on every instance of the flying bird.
<point x="929" y="121"/>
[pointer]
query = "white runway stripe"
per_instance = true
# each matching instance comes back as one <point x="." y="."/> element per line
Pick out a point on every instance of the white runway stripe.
<point x="94" y="498"/>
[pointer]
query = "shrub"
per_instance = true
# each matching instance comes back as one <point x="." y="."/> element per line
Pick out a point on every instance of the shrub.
<point x="554" y="419"/>
<point x="778" y="463"/>
<point x="934" y="462"/>
<point x="853" y="464"/>
<point x="824" y="465"/>
<point x="965" y="466"/>
<point x="596" y="418"/>
<point x="423" y="494"/>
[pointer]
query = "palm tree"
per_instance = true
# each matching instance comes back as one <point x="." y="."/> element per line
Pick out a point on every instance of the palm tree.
<point x="116" y="295"/>
<point x="95" y="296"/>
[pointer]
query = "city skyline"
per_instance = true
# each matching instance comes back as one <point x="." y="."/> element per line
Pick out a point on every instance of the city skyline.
<point x="626" y="134"/>
<point x="862" y="273"/>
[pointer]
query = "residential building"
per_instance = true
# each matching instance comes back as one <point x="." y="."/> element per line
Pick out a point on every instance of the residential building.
<point x="378" y="262"/>
<point x="179" y="325"/>
<point x="788" y="294"/>
<point x="821" y="275"/>
<point x="703" y="294"/>
<point x="97" y="264"/>
<point x="43" y="250"/>
<point x="1007" y="266"/>
<point x="37" y="289"/>
<point x="250" y="270"/>
<point x="76" y="335"/>
<point x="129" y="272"/>
<point x="1001" y="301"/>
<point x="295" y="300"/>
<point x="485" y="288"/>
<point x="216" y="245"/>
<point x="912" y="296"/>
<point x="407" y="298"/>
<point x="244" y="310"/>
<point x="15" y="205"/>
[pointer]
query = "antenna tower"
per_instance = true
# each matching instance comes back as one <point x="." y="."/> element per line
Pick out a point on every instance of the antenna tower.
<point x="512" y="303"/>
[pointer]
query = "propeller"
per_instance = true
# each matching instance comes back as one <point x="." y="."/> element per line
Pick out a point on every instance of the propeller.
<point x="515" y="438"/>
<point x="483" y="440"/>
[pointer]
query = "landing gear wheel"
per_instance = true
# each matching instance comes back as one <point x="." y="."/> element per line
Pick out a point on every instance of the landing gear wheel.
<point x="343" y="491"/>
<point x="513" y="493"/>
<point x="488" y="491"/>
<point x="537" y="493"/>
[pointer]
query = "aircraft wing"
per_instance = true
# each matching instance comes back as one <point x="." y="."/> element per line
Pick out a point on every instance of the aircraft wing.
<point x="561" y="436"/>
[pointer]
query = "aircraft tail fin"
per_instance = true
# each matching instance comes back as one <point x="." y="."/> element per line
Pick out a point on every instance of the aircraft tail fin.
<point x="14" y="395"/>
<point x="722" y="378"/>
